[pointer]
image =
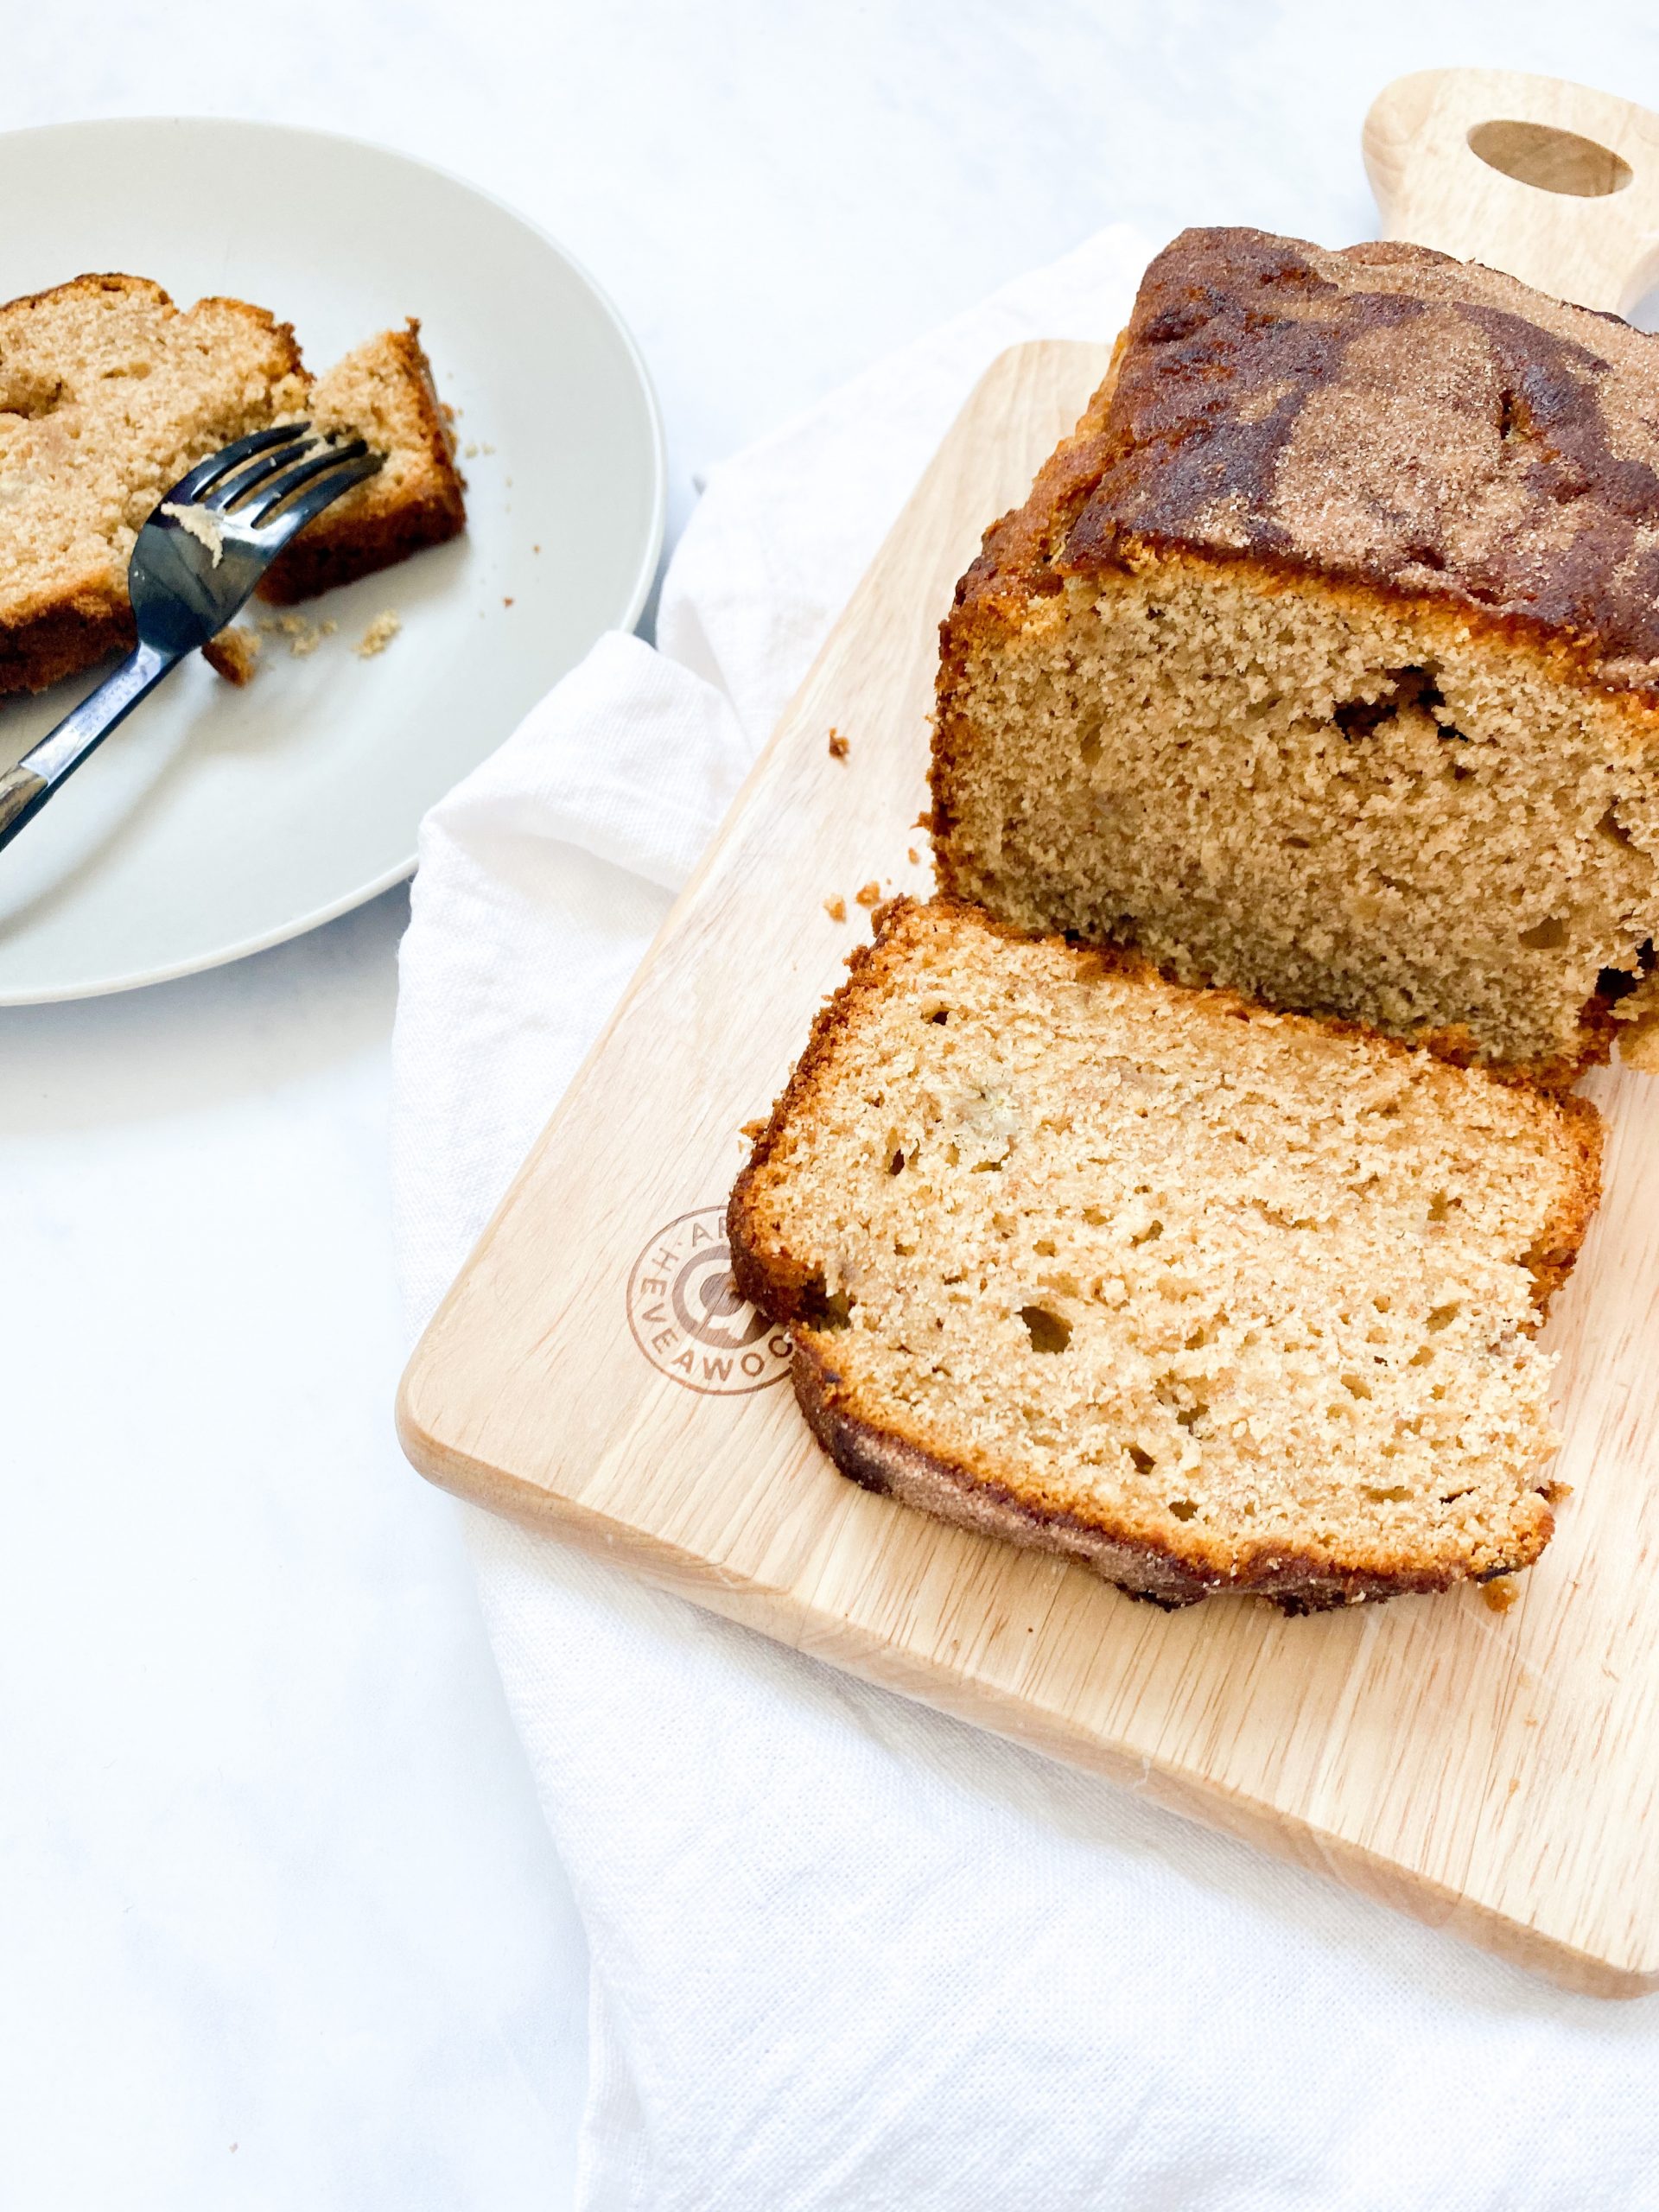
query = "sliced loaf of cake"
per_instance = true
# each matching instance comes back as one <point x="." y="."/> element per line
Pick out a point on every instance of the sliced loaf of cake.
<point x="1322" y="661"/>
<point x="109" y="393"/>
<point x="1208" y="1298"/>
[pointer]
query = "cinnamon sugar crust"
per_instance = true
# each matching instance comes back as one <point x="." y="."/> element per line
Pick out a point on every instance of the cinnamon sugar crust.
<point x="1382" y="414"/>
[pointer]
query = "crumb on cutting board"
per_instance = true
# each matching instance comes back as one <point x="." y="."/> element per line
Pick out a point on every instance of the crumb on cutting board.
<point x="1500" y="1595"/>
<point x="837" y="909"/>
<point x="913" y="856"/>
<point x="837" y="746"/>
<point x="378" y="635"/>
<point x="870" y="895"/>
<point x="234" y="654"/>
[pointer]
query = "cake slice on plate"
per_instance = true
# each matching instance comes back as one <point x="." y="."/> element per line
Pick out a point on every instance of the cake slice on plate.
<point x="109" y="393"/>
<point x="1208" y="1298"/>
<point x="382" y="392"/>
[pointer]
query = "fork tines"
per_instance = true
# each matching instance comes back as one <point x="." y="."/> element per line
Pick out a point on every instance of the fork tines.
<point x="289" y="458"/>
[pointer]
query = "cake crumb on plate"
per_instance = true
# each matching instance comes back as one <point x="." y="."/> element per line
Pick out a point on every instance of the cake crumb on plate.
<point x="234" y="654"/>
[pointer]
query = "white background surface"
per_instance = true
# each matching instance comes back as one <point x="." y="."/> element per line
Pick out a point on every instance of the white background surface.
<point x="279" y="1923"/>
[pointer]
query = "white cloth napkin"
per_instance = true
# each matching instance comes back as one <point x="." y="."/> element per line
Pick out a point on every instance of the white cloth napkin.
<point x="845" y="1953"/>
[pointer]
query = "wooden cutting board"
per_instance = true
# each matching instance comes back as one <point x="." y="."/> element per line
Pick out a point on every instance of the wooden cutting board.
<point x="593" y="1373"/>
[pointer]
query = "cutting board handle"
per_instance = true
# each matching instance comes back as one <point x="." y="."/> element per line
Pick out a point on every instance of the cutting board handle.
<point x="1554" y="184"/>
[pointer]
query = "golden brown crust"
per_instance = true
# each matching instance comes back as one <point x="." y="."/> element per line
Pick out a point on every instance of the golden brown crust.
<point x="63" y="639"/>
<point x="112" y="280"/>
<point x="879" y="1457"/>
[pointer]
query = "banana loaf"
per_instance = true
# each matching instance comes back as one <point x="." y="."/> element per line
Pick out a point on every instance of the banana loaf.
<point x="1323" y="660"/>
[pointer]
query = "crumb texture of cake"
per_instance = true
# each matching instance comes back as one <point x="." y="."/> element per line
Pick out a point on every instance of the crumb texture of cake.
<point x="1209" y="1298"/>
<point x="1322" y="661"/>
<point x="108" y="395"/>
<point x="382" y="392"/>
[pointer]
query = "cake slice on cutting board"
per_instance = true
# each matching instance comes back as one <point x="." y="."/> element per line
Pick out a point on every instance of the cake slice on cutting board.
<point x="1207" y="1298"/>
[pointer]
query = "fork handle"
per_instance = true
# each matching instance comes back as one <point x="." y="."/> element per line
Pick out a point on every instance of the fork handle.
<point x="25" y="789"/>
<point x="21" y="793"/>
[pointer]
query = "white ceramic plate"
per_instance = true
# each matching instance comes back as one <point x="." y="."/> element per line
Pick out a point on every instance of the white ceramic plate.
<point x="217" y="822"/>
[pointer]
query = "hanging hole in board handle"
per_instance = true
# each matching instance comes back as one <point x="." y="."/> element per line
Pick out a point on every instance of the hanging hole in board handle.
<point x="1550" y="159"/>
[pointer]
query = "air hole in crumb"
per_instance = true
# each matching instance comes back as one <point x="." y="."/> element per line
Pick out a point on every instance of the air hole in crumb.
<point x="1400" y="687"/>
<point x="1090" y="749"/>
<point x="1048" y="1332"/>
<point x="822" y="1309"/>
<point x="1183" y="1508"/>
<point x="896" y="1165"/>
<point x="1613" y="984"/>
<point x="941" y="1016"/>
<point x="1547" y="937"/>
<point x="1396" y="1496"/>
<point x="33" y="405"/>
<point x="1192" y="1416"/>
<point x="1611" y="826"/>
<point x="1148" y="1236"/>
<point x="1142" y="1461"/>
<point x="1045" y="1248"/>
<point x="1443" y="1316"/>
<point x="1439" y="1207"/>
<point x="1355" y="1386"/>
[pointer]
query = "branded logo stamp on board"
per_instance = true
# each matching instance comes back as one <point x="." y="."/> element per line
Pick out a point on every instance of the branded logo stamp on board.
<point x="689" y="1319"/>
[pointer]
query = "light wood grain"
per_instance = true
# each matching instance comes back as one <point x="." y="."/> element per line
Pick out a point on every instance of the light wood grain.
<point x="1495" y="1775"/>
<point x="1573" y="236"/>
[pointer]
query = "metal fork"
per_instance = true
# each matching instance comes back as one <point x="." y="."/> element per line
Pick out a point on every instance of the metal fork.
<point x="194" y="563"/>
